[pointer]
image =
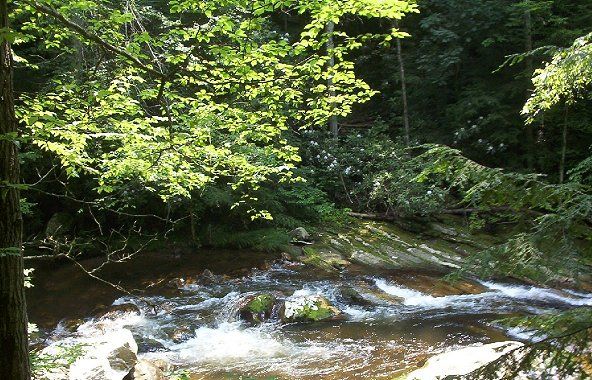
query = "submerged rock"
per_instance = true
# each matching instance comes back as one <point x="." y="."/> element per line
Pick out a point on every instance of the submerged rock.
<point x="308" y="309"/>
<point x="463" y="361"/>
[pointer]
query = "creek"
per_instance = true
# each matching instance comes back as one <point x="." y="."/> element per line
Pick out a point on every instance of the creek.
<point x="392" y="323"/>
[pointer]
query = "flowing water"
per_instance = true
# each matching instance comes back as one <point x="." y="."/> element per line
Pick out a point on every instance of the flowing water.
<point x="393" y="324"/>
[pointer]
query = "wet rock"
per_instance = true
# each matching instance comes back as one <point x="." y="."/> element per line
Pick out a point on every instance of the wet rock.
<point x="258" y="308"/>
<point x="146" y="370"/>
<point x="439" y="287"/>
<point x="300" y="234"/>
<point x="308" y="308"/>
<point x="207" y="275"/>
<point x="110" y="356"/>
<point x="463" y="361"/>
<point x="352" y="297"/>
<point x="150" y="345"/>
<point x="71" y="324"/>
<point x="117" y="311"/>
<point x="181" y="334"/>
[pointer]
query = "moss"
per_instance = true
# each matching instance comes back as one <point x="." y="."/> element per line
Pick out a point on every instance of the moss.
<point x="328" y="262"/>
<point x="261" y="303"/>
<point x="310" y="309"/>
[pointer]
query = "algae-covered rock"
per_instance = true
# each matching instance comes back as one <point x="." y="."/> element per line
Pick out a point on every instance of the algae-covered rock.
<point x="308" y="308"/>
<point x="258" y="308"/>
<point x="324" y="258"/>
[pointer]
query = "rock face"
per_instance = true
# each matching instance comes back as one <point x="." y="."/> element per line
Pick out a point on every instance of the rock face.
<point x="111" y="357"/>
<point x="463" y="361"/>
<point x="308" y="308"/>
<point x="300" y="234"/>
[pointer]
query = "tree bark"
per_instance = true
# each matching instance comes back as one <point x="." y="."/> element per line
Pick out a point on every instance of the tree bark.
<point x="530" y="131"/>
<point x="14" y="356"/>
<point x="333" y="126"/>
<point x="563" y="148"/>
<point x="403" y="89"/>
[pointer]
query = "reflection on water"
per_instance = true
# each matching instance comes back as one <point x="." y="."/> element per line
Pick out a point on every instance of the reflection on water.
<point x="392" y="326"/>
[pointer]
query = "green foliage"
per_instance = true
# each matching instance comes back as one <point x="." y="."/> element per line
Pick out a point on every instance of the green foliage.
<point x="368" y="172"/>
<point x="43" y="364"/>
<point x="260" y="239"/>
<point x="555" y="246"/>
<point x="187" y="104"/>
<point x="566" y="78"/>
<point x="261" y="303"/>
<point x="564" y="352"/>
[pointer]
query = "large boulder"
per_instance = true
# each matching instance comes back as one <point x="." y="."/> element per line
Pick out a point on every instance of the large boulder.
<point x="463" y="361"/>
<point x="308" y="308"/>
<point x="110" y="356"/>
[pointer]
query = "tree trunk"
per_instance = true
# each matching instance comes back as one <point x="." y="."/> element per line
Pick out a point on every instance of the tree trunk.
<point x="563" y="148"/>
<point x="14" y="356"/>
<point x="333" y="126"/>
<point x="530" y="131"/>
<point x="403" y="89"/>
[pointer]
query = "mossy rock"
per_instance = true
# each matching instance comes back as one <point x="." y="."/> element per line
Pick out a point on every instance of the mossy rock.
<point x="258" y="308"/>
<point x="309" y="309"/>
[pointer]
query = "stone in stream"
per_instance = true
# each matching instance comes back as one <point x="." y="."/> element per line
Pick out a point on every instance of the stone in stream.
<point x="258" y="308"/>
<point x="308" y="308"/>
<point x="116" y="311"/>
<point x="181" y="334"/>
<point x="461" y="362"/>
<point x="353" y="297"/>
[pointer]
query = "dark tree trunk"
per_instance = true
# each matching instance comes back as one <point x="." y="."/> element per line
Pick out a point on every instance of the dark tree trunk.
<point x="403" y="89"/>
<point x="563" y="148"/>
<point x="530" y="128"/>
<point x="14" y="355"/>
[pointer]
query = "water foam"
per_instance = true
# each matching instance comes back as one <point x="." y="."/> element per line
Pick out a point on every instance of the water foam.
<point x="542" y="294"/>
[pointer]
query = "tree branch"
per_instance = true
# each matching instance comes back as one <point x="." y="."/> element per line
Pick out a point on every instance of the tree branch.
<point x="49" y="11"/>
